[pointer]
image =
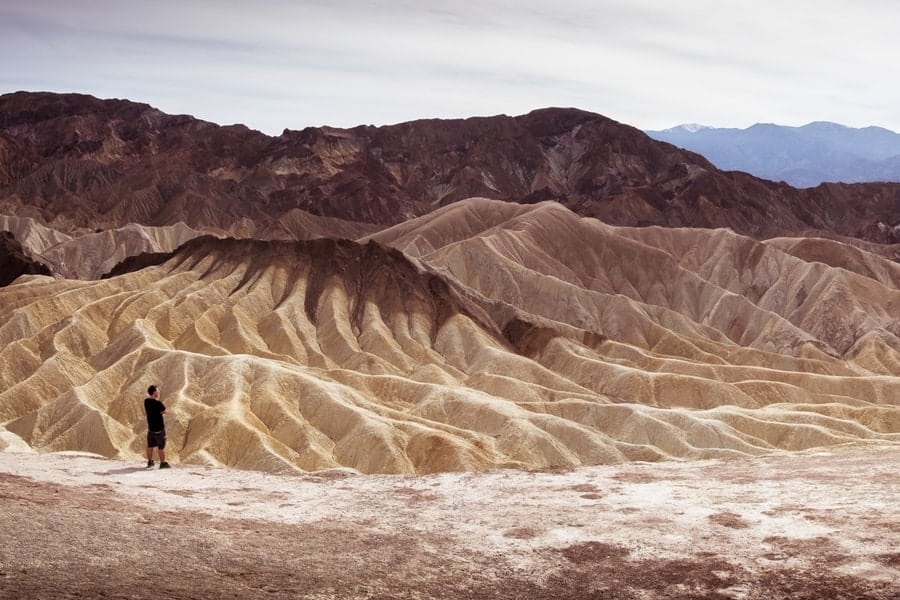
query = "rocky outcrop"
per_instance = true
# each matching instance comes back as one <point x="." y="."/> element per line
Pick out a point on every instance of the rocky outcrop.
<point x="108" y="163"/>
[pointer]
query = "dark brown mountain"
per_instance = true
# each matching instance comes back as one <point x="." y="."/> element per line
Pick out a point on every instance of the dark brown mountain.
<point x="79" y="161"/>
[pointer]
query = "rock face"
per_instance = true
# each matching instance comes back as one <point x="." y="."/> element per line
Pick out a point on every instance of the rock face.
<point x="399" y="330"/>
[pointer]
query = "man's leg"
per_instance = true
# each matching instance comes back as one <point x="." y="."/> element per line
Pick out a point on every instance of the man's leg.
<point x="161" y="448"/>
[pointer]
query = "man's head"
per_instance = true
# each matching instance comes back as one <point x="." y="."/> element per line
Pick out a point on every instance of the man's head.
<point x="153" y="391"/>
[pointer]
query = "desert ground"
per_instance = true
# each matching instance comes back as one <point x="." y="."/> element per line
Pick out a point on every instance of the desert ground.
<point x="819" y="524"/>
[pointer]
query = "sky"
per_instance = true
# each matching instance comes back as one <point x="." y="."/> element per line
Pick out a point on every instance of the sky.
<point x="653" y="64"/>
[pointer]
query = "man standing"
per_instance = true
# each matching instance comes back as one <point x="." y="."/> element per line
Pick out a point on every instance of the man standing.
<point x="156" y="427"/>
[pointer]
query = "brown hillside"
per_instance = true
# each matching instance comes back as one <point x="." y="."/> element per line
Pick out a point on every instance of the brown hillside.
<point x="107" y="163"/>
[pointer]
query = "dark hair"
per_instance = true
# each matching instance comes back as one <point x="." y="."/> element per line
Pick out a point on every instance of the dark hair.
<point x="152" y="390"/>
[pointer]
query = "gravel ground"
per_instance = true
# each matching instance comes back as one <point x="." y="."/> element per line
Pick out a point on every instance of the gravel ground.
<point x="795" y="526"/>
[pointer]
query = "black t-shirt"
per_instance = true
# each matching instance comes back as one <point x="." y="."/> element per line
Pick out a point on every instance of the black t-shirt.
<point x="154" y="409"/>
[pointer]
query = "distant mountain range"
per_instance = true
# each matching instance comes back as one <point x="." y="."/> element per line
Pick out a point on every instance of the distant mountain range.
<point x="801" y="156"/>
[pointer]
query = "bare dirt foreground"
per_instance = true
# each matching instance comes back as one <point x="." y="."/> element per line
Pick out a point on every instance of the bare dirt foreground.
<point x="812" y="525"/>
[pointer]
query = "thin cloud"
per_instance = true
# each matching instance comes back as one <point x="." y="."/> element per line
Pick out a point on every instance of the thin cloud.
<point x="277" y="64"/>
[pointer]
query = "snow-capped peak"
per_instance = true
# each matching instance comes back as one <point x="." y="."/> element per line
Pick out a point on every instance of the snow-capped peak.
<point x="687" y="127"/>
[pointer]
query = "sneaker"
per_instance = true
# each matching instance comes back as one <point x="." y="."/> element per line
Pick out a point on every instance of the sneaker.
<point x="150" y="463"/>
<point x="164" y="465"/>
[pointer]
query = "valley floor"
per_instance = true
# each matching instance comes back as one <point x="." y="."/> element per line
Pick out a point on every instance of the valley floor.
<point x="811" y="525"/>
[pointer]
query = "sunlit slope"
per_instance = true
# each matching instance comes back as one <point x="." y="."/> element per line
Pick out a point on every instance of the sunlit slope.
<point x="697" y="318"/>
<point x="711" y="284"/>
<point x="507" y="335"/>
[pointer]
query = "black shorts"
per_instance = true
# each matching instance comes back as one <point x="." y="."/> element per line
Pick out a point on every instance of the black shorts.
<point x="156" y="439"/>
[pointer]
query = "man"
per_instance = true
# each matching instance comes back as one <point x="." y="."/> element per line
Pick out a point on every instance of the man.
<point x="156" y="427"/>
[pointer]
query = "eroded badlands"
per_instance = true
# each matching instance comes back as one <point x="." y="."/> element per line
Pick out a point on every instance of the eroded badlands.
<point x="486" y="334"/>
